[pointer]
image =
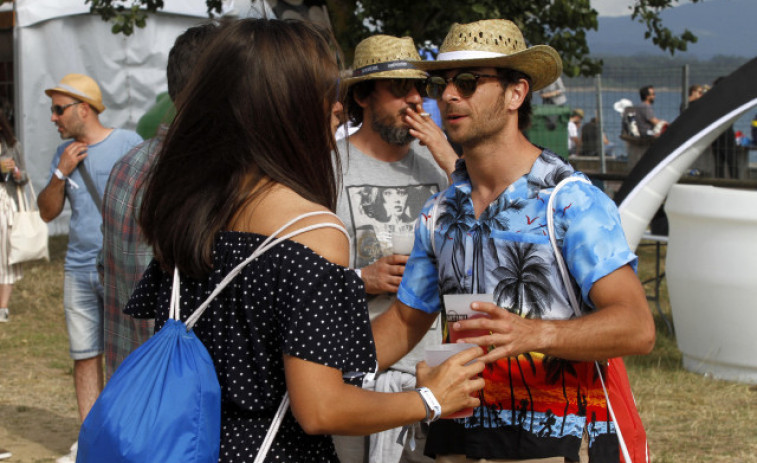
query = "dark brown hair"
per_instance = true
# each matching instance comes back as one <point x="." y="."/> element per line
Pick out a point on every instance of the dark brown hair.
<point x="7" y="132"/>
<point x="256" y="109"/>
<point x="511" y="76"/>
<point x="184" y="54"/>
<point x="358" y="91"/>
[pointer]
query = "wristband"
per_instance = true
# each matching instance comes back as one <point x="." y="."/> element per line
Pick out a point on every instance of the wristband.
<point x="59" y="174"/>
<point x="433" y="409"/>
<point x="359" y="272"/>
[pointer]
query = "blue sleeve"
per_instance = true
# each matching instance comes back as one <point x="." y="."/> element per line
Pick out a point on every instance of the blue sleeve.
<point x="420" y="282"/>
<point x="593" y="242"/>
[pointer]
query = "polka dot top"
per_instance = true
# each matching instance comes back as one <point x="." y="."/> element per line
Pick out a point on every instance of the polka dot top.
<point x="288" y="301"/>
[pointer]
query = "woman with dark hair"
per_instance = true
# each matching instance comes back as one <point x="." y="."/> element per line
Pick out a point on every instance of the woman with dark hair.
<point x="12" y="174"/>
<point x="250" y="150"/>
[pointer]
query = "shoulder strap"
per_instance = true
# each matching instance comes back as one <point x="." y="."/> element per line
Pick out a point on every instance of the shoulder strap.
<point x="268" y="243"/>
<point x="553" y="241"/>
<point x="574" y="300"/>
<point x="90" y="186"/>
<point x="433" y="214"/>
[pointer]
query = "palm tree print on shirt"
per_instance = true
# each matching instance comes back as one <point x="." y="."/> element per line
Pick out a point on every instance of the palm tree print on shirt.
<point x="456" y="220"/>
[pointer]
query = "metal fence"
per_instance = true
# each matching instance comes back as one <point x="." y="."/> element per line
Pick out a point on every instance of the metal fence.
<point x="597" y="96"/>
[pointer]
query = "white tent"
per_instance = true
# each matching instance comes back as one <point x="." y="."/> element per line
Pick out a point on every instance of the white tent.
<point x="55" y="37"/>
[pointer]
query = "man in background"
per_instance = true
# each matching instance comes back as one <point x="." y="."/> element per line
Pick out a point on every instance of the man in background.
<point x="645" y="118"/>
<point x="574" y="131"/>
<point x="554" y="93"/>
<point x="79" y="171"/>
<point x="125" y="254"/>
<point x="387" y="177"/>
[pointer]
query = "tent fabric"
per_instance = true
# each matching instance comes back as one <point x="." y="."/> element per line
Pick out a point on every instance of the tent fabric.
<point x="29" y="13"/>
<point x="57" y="37"/>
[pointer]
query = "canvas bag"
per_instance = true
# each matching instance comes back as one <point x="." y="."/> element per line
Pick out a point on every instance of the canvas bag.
<point x="632" y="438"/>
<point x="28" y="232"/>
<point x="163" y="404"/>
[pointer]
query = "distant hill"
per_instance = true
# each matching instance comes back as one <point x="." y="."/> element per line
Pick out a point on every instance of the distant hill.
<point x="724" y="27"/>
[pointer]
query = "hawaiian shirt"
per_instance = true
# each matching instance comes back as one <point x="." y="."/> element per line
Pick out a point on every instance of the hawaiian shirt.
<point x="533" y="406"/>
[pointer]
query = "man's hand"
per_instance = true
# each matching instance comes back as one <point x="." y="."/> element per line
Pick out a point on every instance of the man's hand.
<point x="621" y="325"/>
<point x="384" y="275"/>
<point x="510" y="334"/>
<point x="431" y="136"/>
<point x="71" y="157"/>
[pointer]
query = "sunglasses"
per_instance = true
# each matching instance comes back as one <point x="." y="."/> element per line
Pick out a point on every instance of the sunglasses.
<point x="465" y="83"/>
<point x="58" y="110"/>
<point x="401" y="87"/>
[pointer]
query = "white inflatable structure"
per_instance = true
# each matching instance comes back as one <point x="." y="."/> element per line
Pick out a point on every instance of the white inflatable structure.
<point x="711" y="264"/>
<point x="642" y="194"/>
<point x="712" y="279"/>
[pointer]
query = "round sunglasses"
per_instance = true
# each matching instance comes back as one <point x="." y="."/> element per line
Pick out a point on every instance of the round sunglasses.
<point x="465" y="83"/>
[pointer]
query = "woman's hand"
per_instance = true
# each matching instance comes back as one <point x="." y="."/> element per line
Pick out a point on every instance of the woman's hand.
<point x="454" y="381"/>
<point x="7" y="164"/>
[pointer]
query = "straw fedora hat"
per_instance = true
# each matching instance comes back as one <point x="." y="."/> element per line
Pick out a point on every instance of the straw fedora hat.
<point x="496" y="43"/>
<point x="80" y="87"/>
<point x="385" y="57"/>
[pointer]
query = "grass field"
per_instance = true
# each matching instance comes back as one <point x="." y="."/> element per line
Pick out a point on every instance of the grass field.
<point x="688" y="417"/>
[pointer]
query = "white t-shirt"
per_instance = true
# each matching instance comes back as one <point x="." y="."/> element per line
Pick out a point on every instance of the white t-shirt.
<point x="572" y="133"/>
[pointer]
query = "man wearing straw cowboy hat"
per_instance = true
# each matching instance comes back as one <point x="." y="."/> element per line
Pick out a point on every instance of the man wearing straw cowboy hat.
<point x="76" y="105"/>
<point x="487" y="235"/>
<point x="387" y="176"/>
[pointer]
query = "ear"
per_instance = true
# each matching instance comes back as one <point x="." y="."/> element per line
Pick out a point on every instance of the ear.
<point x="518" y="92"/>
<point x="362" y="102"/>
<point x="85" y="110"/>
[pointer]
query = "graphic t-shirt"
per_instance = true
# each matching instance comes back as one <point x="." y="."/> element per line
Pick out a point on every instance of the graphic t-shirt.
<point x="377" y="199"/>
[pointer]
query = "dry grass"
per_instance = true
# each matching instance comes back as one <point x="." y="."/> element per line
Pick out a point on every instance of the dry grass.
<point x="688" y="417"/>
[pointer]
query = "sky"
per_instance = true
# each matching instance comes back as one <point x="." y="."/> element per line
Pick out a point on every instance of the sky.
<point x="615" y="7"/>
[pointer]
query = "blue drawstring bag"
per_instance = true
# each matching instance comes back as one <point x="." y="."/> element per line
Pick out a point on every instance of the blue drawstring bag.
<point x="163" y="404"/>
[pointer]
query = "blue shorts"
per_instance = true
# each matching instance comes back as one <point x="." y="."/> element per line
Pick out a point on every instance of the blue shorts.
<point x="83" y="304"/>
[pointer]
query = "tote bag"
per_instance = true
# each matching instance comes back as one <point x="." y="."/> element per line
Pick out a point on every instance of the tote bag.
<point x="28" y="232"/>
<point x="632" y="438"/>
<point x="163" y="404"/>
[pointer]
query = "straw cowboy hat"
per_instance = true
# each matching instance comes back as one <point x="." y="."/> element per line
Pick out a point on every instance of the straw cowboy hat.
<point x="496" y="43"/>
<point x="385" y="57"/>
<point x="80" y="87"/>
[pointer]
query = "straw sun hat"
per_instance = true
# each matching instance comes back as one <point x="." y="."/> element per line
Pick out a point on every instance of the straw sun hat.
<point x="385" y="57"/>
<point x="496" y="43"/>
<point x="80" y="87"/>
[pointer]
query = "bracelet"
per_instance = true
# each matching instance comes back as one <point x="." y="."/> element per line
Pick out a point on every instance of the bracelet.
<point x="433" y="409"/>
<point x="359" y="272"/>
<point x="59" y="174"/>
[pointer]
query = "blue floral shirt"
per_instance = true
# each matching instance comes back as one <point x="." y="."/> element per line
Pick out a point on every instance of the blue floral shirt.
<point x="533" y="406"/>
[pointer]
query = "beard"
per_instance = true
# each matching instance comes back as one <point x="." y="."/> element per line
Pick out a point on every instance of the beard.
<point x="390" y="133"/>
